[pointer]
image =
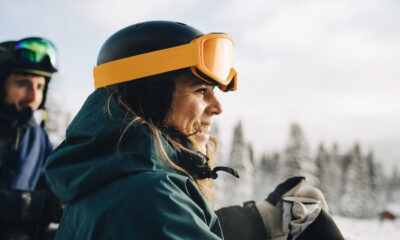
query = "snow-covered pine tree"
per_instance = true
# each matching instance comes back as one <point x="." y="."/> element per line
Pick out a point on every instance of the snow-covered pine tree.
<point x="377" y="184"/>
<point x="356" y="198"/>
<point x="330" y="175"/>
<point x="266" y="175"/>
<point x="297" y="157"/>
<point x="394" y="186"/>
<point x="335" y="188"/>
<point x="239" y="190"/>
<point x="57" y="120"/>
<point x="277" y="169"/>
<point x="323" y="173"/>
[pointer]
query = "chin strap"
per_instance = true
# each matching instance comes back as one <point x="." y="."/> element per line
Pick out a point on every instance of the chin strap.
<point x="196" y="163"/>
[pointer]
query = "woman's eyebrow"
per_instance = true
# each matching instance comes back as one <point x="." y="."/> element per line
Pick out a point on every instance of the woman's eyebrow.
<point x="198" y="83"/>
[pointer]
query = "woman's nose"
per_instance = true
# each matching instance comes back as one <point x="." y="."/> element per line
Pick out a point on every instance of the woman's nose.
<point x="214" y="107"/>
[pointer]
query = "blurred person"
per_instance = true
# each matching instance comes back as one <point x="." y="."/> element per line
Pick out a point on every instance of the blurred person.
<point x="137" y="161"/>
<point x="26" y="204"/>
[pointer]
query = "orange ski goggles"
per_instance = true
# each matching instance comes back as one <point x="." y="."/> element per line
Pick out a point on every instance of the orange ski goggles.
<point x="210" y="58"/>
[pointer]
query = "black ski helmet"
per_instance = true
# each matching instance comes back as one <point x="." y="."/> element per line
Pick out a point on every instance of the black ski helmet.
<point x="149" y="97"/>
<point x="15" y="56"/>
<point x="146" y="37"/>
<point x="156" y="47"/>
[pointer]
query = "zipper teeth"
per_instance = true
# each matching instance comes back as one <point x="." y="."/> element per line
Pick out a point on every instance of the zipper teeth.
<point x="17" y="139"/>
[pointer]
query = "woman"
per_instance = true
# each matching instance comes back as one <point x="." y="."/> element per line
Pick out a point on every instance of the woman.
<point x="136" y="162"/>
<point x="137" y="159"/>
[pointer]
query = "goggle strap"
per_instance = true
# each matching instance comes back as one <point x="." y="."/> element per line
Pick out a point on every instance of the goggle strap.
<point x="146" y="64"/>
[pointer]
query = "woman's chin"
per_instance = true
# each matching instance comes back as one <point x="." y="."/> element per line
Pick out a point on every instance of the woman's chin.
<point x="201" y="141"/>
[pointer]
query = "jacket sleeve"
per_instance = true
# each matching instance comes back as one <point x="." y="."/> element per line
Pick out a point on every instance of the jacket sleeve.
<point x="174" y="209"/>
<point x="24" y="206"/>
<point x="142" y="206"/>
<point x="242" y="222"/>
<point x="245" y="223"/>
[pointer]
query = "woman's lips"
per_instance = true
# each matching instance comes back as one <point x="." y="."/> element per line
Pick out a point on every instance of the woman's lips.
<point x="203" y="133"/>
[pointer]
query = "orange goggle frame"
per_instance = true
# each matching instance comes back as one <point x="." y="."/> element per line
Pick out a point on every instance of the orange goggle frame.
<point x="210" y="58"/>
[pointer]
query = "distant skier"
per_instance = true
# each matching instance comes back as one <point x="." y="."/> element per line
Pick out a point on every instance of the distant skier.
<point x="137" y="159"/>
<point x="386" y="215"/>
<point x="26" y="205"/>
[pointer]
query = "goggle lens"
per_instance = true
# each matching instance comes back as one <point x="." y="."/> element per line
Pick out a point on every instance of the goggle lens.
<point x="218" y="57"/>
<point x="35" y="50"/>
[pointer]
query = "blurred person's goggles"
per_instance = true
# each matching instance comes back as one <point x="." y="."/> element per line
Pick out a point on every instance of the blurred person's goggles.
<point x="35" y="55"/>
<point x="210" y="58"/>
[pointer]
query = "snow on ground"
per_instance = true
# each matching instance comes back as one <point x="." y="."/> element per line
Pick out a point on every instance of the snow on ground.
<point x="358" y="229"/>
<point x="369" y="229"/>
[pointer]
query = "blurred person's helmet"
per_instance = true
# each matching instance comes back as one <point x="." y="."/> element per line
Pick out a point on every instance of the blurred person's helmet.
<point x="32" y="55"/>
<point x="151" y="48"/>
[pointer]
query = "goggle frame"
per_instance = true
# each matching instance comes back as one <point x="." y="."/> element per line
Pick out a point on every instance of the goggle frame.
<point x="166" y="60"/>
<point x="34" y="50"/>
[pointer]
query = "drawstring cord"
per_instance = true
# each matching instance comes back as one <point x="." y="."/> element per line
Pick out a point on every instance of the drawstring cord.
<point x="225" y="169"/>
<point x="196" y="163"/>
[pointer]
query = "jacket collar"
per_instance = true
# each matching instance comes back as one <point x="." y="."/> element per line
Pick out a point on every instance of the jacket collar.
<point x="11" y="118"/>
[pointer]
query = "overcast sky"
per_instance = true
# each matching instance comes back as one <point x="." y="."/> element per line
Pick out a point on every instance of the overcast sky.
<point x="331" y="66"/>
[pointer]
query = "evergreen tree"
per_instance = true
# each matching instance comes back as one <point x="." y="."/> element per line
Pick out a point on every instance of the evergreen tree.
<point x="377" y="184"/>
<point x="57" y="120"/>
<point x="356" y="198"/>
<point x="240" y="158"/>
<point x="330" y="175"/>
<point x="297" y="156"/>
<point x="394" y="186"/>
<point x="266" y="175"/>
<point x="323" y="173"/>
<point x="334" y="181"/>
<point x="277" y="168"/>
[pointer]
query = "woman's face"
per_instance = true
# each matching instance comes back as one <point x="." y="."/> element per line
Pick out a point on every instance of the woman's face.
<point x="194" y="104"/>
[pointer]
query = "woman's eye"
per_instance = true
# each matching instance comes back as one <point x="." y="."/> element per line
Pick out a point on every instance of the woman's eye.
<point x="203" y="91"/>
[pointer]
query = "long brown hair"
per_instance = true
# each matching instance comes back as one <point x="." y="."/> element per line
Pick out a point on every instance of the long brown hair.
<point x="149" y="100"/>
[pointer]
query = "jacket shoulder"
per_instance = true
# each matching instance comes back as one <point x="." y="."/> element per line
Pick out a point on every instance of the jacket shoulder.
<point x="147" y="205"/>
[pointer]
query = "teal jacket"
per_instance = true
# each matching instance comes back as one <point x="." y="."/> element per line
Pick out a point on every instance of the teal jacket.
<point x="125" y="192"/>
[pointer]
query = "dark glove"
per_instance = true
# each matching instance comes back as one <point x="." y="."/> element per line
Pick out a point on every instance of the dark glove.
<point x="323" y="227"/>
<point x="263" y="220"/>
<point x="271" y="210"/>
<point x="257" y="220"/>
<point x="53" y="208"/>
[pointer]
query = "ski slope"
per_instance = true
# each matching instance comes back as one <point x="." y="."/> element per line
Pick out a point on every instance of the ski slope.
<point x="368" y="229"/>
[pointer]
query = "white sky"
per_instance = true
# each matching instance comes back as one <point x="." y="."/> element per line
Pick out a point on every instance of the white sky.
<point x="331" y="66"/>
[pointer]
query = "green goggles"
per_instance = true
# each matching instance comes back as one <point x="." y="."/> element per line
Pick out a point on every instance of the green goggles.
<point x="36" y="51"/>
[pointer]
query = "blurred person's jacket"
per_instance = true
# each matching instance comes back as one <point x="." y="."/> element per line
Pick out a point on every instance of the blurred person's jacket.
<point x="26" y="205"/>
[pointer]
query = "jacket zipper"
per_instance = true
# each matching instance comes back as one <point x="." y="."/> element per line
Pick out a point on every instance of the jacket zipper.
<point x="17" y="138"/>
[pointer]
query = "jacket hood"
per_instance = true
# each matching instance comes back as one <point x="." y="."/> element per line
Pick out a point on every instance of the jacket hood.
<point x="89" y="156"/>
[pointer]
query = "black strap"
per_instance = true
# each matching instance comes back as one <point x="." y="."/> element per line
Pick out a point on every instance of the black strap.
<point x="196" y="164"/>
<point x="225" y="169"/>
